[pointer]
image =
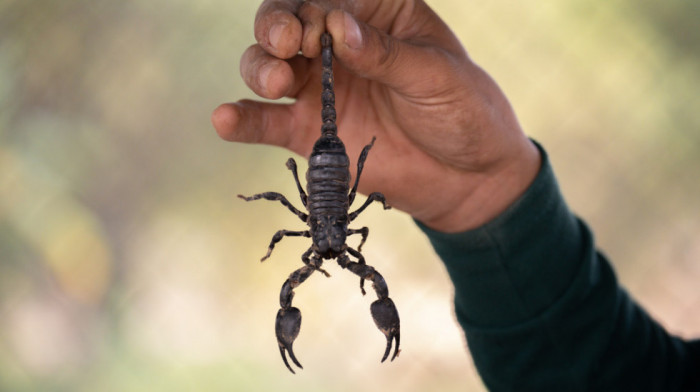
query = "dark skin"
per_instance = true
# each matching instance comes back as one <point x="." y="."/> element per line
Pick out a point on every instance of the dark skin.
<point x="449" y="149"/>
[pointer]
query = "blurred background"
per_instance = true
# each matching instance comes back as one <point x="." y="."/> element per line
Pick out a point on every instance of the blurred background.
<point x="127" y="263"/>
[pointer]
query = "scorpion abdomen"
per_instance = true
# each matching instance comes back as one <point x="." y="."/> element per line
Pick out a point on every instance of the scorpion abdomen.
<point x="328" y="178"/>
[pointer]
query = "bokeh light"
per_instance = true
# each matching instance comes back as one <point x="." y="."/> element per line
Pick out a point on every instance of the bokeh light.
<point x="128" y="264"/>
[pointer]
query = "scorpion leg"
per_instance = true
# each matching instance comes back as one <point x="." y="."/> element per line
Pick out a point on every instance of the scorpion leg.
<point x="307" y="260"/>
<point x="276" y="196"/>
<point x="281" y="234"/>
<point x="361" y="261"/>
<point x="360" y="166"/>
<point x="292" y="165"/>
<point x="374" y="196"/>
<point x="364" y="231"/>
<point x="383" y="310"/>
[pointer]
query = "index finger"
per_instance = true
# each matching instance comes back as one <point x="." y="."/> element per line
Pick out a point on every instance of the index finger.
<point x="277" y="28"/>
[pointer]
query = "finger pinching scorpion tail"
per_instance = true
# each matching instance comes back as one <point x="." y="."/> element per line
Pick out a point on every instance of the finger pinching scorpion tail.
<point x="328" y="202"/>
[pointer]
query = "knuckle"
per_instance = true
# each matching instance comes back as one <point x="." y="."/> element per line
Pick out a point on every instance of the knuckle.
<point x="389" y="51"/>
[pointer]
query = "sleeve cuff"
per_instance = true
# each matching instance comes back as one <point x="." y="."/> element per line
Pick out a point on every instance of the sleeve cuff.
<point x="517" y="265"/>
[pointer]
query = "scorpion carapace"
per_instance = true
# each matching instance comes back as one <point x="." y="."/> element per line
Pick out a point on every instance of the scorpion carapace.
<point x="327" y="202"/>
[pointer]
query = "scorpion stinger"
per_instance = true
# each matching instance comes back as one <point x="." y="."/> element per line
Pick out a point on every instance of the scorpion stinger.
<point x="327" y="199"/>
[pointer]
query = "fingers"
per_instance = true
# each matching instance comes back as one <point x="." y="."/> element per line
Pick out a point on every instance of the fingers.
<point x="252" y="122"/>
<point x="266" y="75"/>
<point x="376" y="55"/>
<point x="280" y="36"/>
<point x="284" y="27"/>
<point x="248" y="121"/>
<point x="379" y="50"/>
<point x="313" y="18"/>
<point x="270" y="77"/>
<point x="277" y="29"/>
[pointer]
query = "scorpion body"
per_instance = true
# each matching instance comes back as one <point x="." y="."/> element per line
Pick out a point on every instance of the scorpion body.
<point x="328" y="202"/>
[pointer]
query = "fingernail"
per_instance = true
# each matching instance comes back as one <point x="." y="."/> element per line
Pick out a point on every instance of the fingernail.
<point x="275" y="34"/>
<point x="264" y="75"/>
<point x="353" y="35"/>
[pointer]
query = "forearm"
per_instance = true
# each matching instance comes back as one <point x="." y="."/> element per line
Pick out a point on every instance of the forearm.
<point x="542" y="310"/>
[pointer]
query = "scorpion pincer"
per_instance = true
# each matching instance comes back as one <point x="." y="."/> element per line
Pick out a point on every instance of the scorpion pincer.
<point x="327" y="202"/>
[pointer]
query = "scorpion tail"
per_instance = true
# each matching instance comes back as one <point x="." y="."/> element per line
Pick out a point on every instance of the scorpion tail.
<point x="328" y="114"/>
<point x="287" y="329"/>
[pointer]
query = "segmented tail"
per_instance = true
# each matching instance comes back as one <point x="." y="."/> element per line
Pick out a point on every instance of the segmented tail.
<point x="327" y="96"/>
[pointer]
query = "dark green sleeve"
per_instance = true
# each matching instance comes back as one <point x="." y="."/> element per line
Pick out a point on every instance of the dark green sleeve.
<point x="543" y="311"/>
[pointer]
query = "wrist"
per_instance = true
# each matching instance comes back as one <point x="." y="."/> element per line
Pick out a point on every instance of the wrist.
<point x="483" y="196"/>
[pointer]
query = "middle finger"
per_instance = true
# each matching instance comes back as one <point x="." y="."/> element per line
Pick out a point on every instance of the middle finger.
<point x="277" y="29"/>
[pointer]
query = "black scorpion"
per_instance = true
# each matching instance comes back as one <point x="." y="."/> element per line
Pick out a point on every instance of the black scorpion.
<point x="328" y="201"/>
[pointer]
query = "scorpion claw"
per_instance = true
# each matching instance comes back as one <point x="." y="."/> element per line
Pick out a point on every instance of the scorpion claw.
<point x="287" y="328"/>
<point x="386" y="317"/>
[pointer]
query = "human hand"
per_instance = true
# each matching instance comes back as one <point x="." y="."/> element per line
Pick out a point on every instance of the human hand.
<point x="449" y="149"/>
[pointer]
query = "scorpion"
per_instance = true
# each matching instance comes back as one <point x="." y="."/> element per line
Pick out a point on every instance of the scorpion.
<point x="328" y="202"/>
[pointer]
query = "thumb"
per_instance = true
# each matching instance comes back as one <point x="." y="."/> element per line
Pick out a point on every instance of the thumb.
<point x="373" y="54"/>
